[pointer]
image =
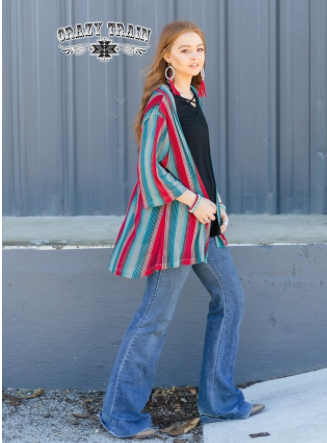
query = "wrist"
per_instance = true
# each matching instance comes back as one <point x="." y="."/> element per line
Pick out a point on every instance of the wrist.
<point x="194" y="199"/>
<point x="191" y="198"/>
<point x="195" y="203"/>
<point x="188" y="198"/>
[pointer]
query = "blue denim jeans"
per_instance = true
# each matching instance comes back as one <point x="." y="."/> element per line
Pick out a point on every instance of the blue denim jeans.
<point x="132" y="377"/>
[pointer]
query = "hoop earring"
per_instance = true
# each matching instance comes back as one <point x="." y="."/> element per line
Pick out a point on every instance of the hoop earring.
<point x="167" y="76"/>
<point x="202" y="89"/>
<point x="174" y="90"/>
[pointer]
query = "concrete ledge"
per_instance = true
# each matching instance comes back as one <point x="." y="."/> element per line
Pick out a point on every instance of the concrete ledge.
<point x="102" y="230"/>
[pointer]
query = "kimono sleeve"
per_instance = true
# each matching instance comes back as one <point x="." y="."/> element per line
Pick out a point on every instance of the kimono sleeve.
<point x="157" y="185"/>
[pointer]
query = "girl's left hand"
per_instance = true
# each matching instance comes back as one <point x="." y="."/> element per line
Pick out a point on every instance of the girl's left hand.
<point x="224" y="218"/>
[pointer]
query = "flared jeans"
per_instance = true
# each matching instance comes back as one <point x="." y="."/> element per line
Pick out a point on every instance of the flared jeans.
<point x="132" y="377"/>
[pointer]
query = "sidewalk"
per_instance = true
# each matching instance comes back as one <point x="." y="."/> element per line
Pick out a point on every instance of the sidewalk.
<point x="295" y="412"/>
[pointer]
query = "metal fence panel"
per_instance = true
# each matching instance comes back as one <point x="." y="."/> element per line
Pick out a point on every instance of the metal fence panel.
<point x="68" y="144"/>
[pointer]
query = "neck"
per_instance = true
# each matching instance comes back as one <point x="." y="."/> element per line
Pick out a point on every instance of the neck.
<point x="182" y="83"/>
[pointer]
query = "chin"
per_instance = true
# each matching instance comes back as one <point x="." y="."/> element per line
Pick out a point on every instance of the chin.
<point x="193" y="73"/>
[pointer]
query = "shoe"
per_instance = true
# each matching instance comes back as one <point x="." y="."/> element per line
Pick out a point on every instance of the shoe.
<point x="257" y="407"/>
<point x="147" y="433"/>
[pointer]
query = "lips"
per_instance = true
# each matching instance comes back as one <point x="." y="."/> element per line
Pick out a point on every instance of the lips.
<point x="194" y="66"/>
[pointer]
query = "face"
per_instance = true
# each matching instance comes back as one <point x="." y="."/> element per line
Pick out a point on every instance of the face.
<point x="187" y="49"/>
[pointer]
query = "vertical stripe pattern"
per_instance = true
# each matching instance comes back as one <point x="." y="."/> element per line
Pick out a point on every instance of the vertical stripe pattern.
<point x="158" y="232"/>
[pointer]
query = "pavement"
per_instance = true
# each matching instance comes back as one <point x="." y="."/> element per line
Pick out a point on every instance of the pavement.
<point x="295" y="412"/>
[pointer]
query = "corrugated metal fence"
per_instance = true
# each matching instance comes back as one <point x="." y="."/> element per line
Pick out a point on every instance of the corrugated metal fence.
<point x="68" y="144"/>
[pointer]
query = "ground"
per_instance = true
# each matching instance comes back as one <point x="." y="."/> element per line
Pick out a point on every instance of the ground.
<point x="71" y="415"/>
<point x="51" y="416"/>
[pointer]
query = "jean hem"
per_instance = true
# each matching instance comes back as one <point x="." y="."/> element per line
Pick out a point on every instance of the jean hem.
<point x="242" y="412"/>
<point x="124" y="428"/>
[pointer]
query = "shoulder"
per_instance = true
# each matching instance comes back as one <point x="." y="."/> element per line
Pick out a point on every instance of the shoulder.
<point x="159" y="102"/>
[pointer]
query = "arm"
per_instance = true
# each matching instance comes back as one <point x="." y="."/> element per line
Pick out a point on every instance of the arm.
<point x="157" y="185"/>
<point x="187" y="198"/>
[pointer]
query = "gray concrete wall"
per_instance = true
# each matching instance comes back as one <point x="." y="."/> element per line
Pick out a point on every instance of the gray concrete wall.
<point x="64" y="313"/>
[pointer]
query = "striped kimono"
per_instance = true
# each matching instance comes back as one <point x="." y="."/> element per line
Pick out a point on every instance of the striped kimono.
<point x="158" y="232"/>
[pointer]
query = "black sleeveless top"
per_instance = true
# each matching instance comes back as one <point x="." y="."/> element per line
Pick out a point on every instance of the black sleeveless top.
<point x="196" y="132"/>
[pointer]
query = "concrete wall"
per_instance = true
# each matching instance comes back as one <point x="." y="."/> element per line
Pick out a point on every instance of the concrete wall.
<point x="64" y="316"/>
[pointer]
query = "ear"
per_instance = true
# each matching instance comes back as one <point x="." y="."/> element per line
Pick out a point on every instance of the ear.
<point x="166" y="57"/>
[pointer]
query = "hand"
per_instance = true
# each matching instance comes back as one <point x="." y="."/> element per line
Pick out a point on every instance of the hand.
<point x="223" y="217"/>
<point x="205" y="211"/>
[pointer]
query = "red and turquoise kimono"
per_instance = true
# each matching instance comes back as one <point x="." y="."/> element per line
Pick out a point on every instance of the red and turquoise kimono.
<point x="158" y="232"/>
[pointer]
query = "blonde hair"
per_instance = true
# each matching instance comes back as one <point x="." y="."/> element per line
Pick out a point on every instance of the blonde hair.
<point x="156" y="75"/>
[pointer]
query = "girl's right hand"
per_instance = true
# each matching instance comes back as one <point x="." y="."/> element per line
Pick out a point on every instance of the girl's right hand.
<point x="205" y="210"/>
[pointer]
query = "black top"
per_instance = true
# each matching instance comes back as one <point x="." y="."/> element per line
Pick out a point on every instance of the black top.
<point x="196" y="132"/>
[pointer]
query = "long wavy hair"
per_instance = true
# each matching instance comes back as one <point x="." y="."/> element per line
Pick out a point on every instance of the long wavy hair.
<point x="156" y="75"/>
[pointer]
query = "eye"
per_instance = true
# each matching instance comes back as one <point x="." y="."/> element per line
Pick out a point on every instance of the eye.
<point x="201" y="49"/>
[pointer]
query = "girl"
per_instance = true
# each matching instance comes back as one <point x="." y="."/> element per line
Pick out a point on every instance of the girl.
<point x="175" y="221"/>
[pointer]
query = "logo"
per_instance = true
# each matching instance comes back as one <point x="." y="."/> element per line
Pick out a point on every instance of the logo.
<point x="104" y="48"/>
